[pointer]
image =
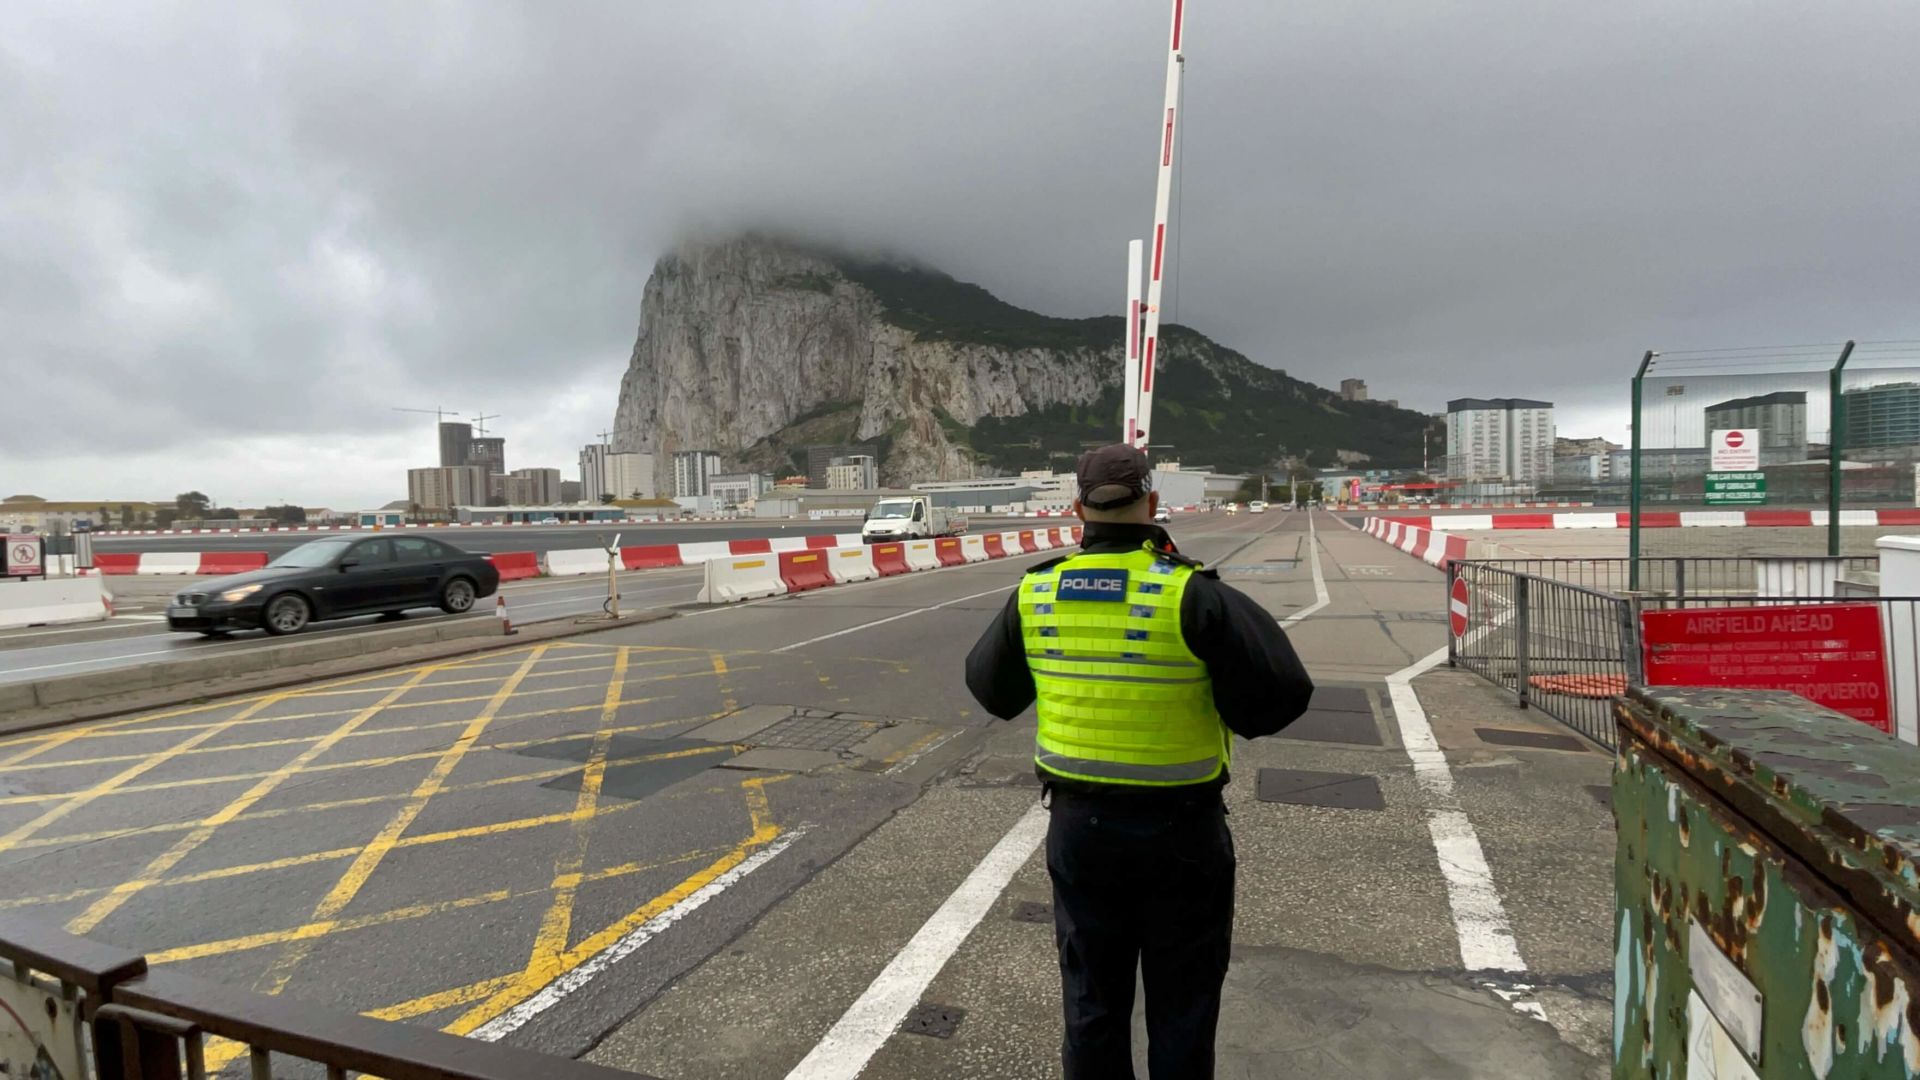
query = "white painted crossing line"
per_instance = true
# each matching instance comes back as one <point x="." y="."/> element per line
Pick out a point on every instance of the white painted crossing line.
<point x="1320" y="598"/>
<point x="865" y="1027"/>
<point x="1480" y="921"/>
<point x="894" y="618"/>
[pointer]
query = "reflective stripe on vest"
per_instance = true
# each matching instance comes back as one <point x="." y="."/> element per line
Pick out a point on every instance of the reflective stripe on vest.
<point x="1121" y="698"/>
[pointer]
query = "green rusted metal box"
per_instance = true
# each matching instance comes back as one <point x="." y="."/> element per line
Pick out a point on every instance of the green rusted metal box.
<point x="1767" y="901"/>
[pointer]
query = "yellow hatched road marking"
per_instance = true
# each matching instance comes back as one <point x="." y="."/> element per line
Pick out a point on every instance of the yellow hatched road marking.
<point x="167" y="860"/>
<point x="294" y="740"/>
<point x="356" y="875"/>
<point x="76" y="800"/>
<point x="546" y="968"/>
<point x="465" y="833"/>
<point x="369" y="763"/>
<point x="313" y="931"/>
<point x="557" y="924"/>
<point x="118" y="727"/>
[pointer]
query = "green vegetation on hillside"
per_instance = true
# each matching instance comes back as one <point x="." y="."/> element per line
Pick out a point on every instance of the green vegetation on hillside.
<point x="1213" y="406"/>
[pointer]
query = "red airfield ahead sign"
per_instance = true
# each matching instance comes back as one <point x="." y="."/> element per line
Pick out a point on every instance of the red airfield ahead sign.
<point x="1830" y="654"/>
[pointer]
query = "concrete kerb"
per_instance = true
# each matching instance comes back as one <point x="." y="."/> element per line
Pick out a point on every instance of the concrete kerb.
<point x="47" y="703"/>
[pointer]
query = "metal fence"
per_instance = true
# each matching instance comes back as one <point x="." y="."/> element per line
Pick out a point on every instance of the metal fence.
<point x="1771" y="576"/>
<point x="1564" y="637"/>
<point x="93" y="1012"/>
<point x="1564" y="648"/>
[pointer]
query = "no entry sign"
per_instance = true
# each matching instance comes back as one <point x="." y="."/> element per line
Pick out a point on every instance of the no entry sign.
<point x="23" y="556"/>
<point x="1734" y="450"/>
<point x="1459" y="607"/>
<point x="1830" y="654"/>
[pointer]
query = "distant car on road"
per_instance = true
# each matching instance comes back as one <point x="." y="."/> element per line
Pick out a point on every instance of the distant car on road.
<point x="1233" y="508"/>
<point x="549" y="521"/>
<point x="1162" y="516"/>
<point x="1256" y="507"/>
<point x="334" y="578"/>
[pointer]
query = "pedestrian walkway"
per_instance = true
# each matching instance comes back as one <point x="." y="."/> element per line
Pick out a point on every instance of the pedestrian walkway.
<point x="1352" y="939"/>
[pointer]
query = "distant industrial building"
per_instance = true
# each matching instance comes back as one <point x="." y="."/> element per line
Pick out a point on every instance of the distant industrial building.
<point x="821" y="458"/>
<point x="1353" y="389"/>
<point x="1884" y="415"/>
<point x="569" y="491"/>
<point x="736" y="489"/>
<point x="691" y="471"/>
<point x="1505" y="439"/>
<point x="447" y="486"/>
<point x="541" y="487"/>
<point x="1780" y="417"/>
<point x="854" y="472"/>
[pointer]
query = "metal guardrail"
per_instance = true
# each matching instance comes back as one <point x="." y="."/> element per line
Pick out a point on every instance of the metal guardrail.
<point x="1694" y="575"/>
<point x="157" y="1025"/>
<point x="1566" y="649"/>
<point x="1556" y="634"/>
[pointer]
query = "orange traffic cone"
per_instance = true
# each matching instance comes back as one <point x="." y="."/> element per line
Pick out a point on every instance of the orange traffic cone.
<point x="500" y="609"/>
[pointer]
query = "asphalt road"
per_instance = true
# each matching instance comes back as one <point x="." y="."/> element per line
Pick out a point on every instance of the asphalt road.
<point x="515" y="537"/>
<point x="138" y="634"/>
<point x="692" y="846"/>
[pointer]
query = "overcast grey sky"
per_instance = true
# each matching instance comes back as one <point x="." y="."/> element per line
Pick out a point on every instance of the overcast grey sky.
<point x="233" y="236"/>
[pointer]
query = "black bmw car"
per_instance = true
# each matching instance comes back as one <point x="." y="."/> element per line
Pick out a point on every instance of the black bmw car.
<point x="334" y="578"/>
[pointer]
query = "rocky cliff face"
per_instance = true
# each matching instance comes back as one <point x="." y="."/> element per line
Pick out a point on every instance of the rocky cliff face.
<point x="742" y="338"/>
<point x="757" y="348"/>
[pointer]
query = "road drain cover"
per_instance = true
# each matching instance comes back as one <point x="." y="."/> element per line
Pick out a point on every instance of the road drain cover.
<point x="930" y="1018"/>
<point x="814" y="732"/>
<point x="1302" y="787"/>
<point x="1032" y="911"/>
<point x="1539" y="740"/>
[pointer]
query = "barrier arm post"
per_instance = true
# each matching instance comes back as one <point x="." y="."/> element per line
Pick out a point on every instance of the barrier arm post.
<point x="1836" y="446"/>
<point x="613" y="581"/>
<point x="1633" y="484"/>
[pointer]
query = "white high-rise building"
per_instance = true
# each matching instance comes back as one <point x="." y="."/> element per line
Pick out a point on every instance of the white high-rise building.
<point x="691" y="471"/>
<point x="1506" y="439"/>
<point x="623" y="476"/>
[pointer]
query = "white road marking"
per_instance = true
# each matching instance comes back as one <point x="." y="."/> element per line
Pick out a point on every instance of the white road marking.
<point x="843" y="1053"/>
<point x="1479" y="917"/>
<point x="865" y="1027"/>
<point x="1320" y="598"/>
<point x="560" y="989"/>
<point x="894" y="618"/>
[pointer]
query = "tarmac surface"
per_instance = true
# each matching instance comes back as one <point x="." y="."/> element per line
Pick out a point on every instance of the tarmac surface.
<point x="487" y="539"/>
<point x="709" y="846"/>
<point x="137" y="633"/>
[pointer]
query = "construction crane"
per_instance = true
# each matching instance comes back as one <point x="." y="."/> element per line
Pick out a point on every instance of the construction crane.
<point x="480" y="422"/>
<point x="437" y="413"/>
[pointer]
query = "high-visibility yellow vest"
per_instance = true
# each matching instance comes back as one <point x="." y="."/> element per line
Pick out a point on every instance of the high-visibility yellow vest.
<point x="1121" y="698"/>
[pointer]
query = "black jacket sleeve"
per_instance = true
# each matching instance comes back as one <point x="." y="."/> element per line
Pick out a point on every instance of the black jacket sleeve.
<point x="1259" y="684"/>
<point x="997" y="672"/>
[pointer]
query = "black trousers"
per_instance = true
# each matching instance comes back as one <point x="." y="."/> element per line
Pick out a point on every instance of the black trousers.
<point x="1140" y="882"/>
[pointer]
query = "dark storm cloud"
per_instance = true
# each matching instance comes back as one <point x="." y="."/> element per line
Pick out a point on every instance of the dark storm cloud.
<point x="285" y="222"/>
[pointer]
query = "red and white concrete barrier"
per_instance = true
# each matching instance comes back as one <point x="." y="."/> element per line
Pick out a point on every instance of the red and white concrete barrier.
<point x="53" y="600"/>
<point x="742" y="578"/>
<point x="852" y="564"/>
<point x="515" y="565"/>
<point x="921" y="556"/>
<point x="203" y="563"/>
<point x="1656" y="519"/>
<point x="1433" y="548"/>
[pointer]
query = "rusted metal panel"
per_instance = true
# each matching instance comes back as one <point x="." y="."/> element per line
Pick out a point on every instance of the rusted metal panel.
<point x="1786" y="834"/>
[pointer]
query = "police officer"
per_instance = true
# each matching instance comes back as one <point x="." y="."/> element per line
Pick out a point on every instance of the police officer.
<point x="1144" y="666"/>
